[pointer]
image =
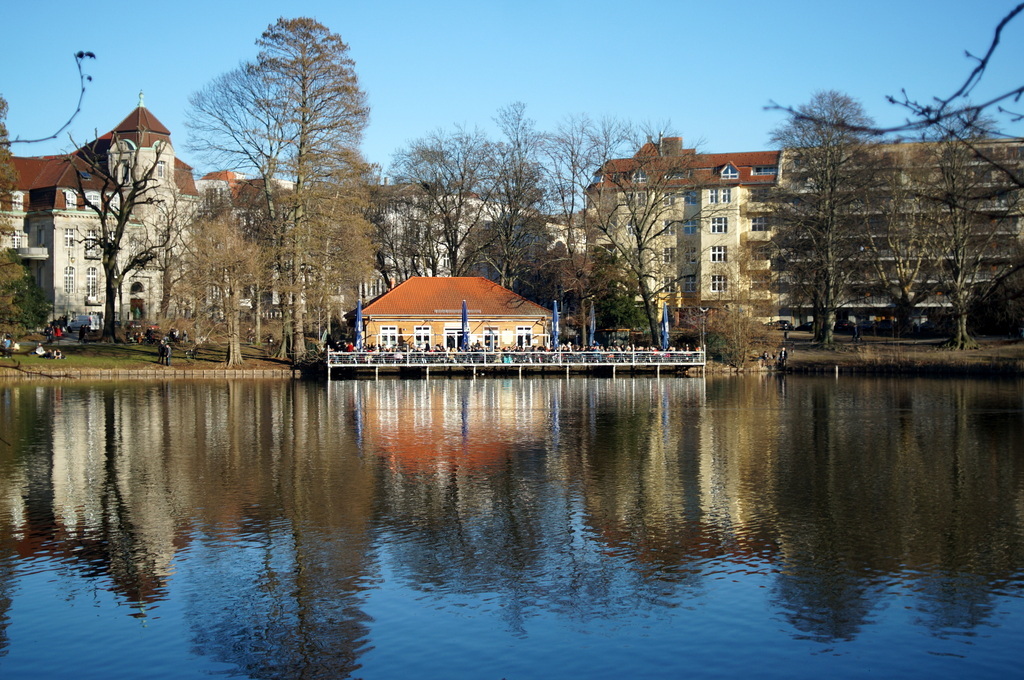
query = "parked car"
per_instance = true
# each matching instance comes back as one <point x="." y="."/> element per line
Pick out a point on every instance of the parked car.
<point x="809" y="327"/>
<point x="843" y="327"/>
<point x="91" y="320"/>
<point x="781" y="325"/>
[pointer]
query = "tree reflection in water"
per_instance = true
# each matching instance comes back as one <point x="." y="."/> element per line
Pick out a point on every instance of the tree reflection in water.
<point x="272" y="513"/>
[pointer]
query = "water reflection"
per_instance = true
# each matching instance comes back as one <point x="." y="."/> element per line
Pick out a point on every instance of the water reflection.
<point x="273" y="514"/>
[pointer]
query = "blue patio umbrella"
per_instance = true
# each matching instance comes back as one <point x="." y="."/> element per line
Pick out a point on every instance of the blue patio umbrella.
<point x="359" y="325"/>
<point x="593" y="326"/>
<point x="464" y="344"/>
<point x="664" y="327"/>
<point x="554" y="326"/>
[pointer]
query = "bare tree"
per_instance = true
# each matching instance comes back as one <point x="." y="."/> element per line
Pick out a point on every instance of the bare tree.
<point x="222" y="266"/>
<point x="296" y="114"/>
<point x="631" y="204"/>
<point x="452" y="172"/>
<point x="517" y="227"/>
<point x="975" y="221"/>
<point x="904" y="248"/>
<point x="117" y="180"/>
<point x="821" y="204"/>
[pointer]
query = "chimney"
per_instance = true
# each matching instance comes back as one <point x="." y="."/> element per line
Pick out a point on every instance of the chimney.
<point x="671" y="146"/>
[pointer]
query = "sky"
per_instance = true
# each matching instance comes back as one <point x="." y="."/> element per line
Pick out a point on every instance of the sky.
<point x="706" y="71"/>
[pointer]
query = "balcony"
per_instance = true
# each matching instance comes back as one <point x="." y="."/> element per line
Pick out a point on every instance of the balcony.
<point x="33" y="253"/>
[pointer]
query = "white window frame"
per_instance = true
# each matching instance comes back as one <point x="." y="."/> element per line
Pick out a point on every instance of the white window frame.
<point x="70" y="200"/>
<point x="524" y="336"/>
<point x="712" y="195"/>
<point x="691" y="255"/>
<point x="690" y="198"/>
<point x="92" y="280"/>
<point x="17" y="201"/>
<point x="421" y="336"/>
<point x="719" y="225"/>
<point x="17" y="236"/>
<point x="730" y="172"/>
<point x="766" y="170"/>
<point x="726" y="195"/>
<point x="492" y="337"/>
<point x="719" y="253"/>
<point x="69" y="237"/>
<point x="69" y="280"/>
<point x="719" y="283"/>
<point x="668" y="255"/>
<point x="690" y="283"/>
<point x="668" y="228"/>
<point x="759" y="224"/>
<point x="387" y="336"/>
<point x="161" y="169"/>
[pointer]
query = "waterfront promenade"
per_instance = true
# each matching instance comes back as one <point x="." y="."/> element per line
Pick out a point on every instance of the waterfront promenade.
<point x="349" y="364"/>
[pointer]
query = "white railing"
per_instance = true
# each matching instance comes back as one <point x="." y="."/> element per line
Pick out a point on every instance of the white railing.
<point x="517" y="358"/>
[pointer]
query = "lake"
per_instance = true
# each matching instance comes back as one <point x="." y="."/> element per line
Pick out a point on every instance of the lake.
<point x="768" y="526"/>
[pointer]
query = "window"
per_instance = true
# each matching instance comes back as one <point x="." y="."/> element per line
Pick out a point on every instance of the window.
<point x="639" y="177"/>
<point x="126" y="173"/>
<point x="668" y="228"/>
<point x="70" y="200"/>
<point x="690" y="198"/>
<point x="668" y="255"/>
<point x="730" y="172"/>
<point x="668" y="284"/>
<point x="69" y="238"/>
<point x="760" y="281"/>
<point x="759" y="195"/>
<point x="491" y="337"/>
<point x="690" y="283"/>
<point x="669" y="200"/>
<point x="388" y="336"/>
<point x="421" y="336"/>
<point x="758" y="224"/>
<point x="92" y="245"/>
<point x="712" y="195"/>
<point x="638" y="198"/>
<point x="115" y="202"/>
<point x="719" y="225"/>
<point x="17" y="238"/>
<point x="690" y="255"/>
<point x="726" y="195"/>
<point x="161" y="169"/>
<point x="719" y="284"/>
<point x="69" y="280"/>
<point x="719" y="253"/>
<point x="719" y="195"/>
<point x="17" y="201"/>
<point x="91" y="279"/>
<point x="93" y="198"/>
<point x="524" y="336"/>
<point x="766" y="169"/>
<point x="760" y="251"/>
<point x="690" y="227"/>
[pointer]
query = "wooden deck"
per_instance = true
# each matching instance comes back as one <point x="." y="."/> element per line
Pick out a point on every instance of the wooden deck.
<point x="363" y="364"/>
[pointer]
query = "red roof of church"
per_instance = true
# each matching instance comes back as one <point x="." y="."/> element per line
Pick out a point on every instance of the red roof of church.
<point x="443" y="296"/>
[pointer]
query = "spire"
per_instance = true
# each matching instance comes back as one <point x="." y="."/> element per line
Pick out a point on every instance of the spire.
<point x="142" y="104"/>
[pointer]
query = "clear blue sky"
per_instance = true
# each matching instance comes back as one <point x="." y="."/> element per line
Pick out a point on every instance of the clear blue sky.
<point x="704" y="70"/>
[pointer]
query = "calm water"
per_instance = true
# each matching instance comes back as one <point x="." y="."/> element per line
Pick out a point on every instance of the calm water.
<point x="539" y="528"/>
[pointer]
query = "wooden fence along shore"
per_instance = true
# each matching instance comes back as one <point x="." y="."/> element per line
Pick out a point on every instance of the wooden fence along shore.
<point x="354" y="364"/>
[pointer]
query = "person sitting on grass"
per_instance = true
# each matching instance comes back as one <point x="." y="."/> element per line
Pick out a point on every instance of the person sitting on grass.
<point x="39" y="351"/>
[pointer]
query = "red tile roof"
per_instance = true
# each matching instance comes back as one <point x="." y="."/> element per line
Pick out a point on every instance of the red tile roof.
<point x="435" y="297"/>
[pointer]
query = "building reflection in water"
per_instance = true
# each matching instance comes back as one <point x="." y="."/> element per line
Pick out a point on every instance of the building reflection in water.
<point x="276" y="508"/>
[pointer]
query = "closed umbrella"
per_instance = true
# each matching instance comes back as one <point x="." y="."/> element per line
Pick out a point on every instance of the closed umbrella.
<point x="664" y="327"/>
<point x="593" y="326"/>
<point x="359" y="325"/>
<point x="464" y="345"/>
<point x="554" y="326"/>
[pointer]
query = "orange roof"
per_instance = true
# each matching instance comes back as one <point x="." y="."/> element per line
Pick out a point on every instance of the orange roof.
<point x="442" y="297"/>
